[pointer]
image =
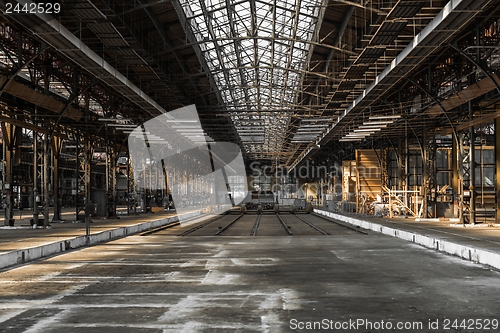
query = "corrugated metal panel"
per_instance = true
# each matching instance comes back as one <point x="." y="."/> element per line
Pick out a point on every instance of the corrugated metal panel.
<point x="369" y="174"/>
<point x="405" y="9"/>
<point x="388" y="32"/>
<point x="108" y="34"/>
<point x="340" y="95"/>
<point x="86" y="10"/>
<point x="356" y="72"/>
<point x="346" y="85"/>
<point x="349" y="181"/>
<point x="370" y="55"/>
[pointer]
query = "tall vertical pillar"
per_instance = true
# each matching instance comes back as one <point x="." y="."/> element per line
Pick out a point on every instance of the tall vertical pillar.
<point x="145" y="188"/>
<point x="497" y="167"/>
<point x="465" y="167"/>
<point x="80" y="186"/>
<point x="8" y="138"/>
<point x="167" y="190"/>
<point x="384" y="166"/>
<point x="83" y="172"/>
<point x="455" y="183"/>
<point x="110" y="181"/>
<point x="429" y="176"/>
<point x="46" y="180"/>
<point x="131" y="187"/>
<point x="36" y="177"/>
<point x="56" y="153"/>
<point x="425" y="176"/>
<point x="403" y="168"/>
<point x="472" y="166"/>
<point x="87" y="156"/>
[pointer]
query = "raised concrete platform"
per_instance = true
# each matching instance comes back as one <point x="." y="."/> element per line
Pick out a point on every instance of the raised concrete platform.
<point x="22" y="243"/>
<point x="481" y="245"/>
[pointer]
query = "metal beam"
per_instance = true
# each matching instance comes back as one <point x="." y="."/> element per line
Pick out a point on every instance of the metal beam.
<point x="446" y="25"/>
<point x="163" y="35"/>
<point x="60" y="38"/>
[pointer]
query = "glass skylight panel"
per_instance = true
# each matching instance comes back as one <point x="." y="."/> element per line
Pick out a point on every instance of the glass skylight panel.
<point x="253" y="50"/>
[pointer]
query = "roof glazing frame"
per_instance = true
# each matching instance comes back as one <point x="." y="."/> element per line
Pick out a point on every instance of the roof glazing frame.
<point x="256" y="53"/>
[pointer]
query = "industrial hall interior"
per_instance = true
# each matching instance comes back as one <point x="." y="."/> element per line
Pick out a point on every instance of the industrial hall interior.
<point x="249" y="165"/>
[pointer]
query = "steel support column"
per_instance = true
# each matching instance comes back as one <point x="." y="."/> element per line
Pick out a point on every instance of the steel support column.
<point x="456" y="180"/>
<point x="37" y="176"/>
<point x="472" y="179"/>
<point x="384" y="172"/>
<point x="83" y="174"/>
<point x="425" y="176"/>
<point x="46" y="180"/>
<point x="56" y="150"/>
<point x="429" y="183"/>
<point x="497" y="167"/>
<point x="8" y="139"/>
<point x="131" y="186"/>
<point x="167" y="193"/>
<point x="403" y="166"/>
<point x="466" y="167"/>
<point x="110" y="181"/>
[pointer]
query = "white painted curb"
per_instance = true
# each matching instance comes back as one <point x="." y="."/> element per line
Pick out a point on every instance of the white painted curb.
<point x="24" y="255"/>
<point x="463" y="251"/>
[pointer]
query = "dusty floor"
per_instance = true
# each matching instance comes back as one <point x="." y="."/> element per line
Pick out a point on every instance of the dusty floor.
<point x="162" y="283"/>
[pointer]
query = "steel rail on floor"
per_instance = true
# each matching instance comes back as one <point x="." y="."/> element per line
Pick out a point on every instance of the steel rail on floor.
<point x="284" y="225"/>
<point x="256" y="225"/>
<point x="318" y="229"/>
<point x="341" y="224"/>
<point x="221" y="230"/>
<point x="198" y="227"/>
<point x="168" y="226"/>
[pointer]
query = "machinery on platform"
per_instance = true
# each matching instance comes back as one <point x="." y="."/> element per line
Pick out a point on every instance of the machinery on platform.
<point x="260" y="202"/>
<point x="301" y="206"/>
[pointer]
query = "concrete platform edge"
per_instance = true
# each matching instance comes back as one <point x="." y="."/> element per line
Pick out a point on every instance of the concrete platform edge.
<point x="465" y="252"/>
<point x="29" y="254"/>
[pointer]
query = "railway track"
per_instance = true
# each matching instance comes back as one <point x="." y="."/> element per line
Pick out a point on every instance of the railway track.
<point x="221" y="230"/>
<point x="204" y="224"/>
<point x="168" y="226"/>
<point x="318" y="229"/>
<point x="266" y="224"/>
<point x="285" y="226"/>
<point x="256" y="225"/>
<point x="357" y="229"/>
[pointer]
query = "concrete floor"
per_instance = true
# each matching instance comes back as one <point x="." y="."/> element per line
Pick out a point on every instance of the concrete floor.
<point x="163" y="283"/>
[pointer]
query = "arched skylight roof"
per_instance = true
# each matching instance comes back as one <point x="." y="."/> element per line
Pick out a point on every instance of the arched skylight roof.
<point x="255" y="52"/>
